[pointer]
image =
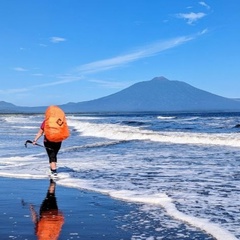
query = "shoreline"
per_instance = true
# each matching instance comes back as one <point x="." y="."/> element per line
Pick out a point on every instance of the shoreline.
<point x="82" y="214"/>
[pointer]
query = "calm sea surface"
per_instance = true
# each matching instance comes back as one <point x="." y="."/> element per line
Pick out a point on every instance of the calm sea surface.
<point x="180" y="168"/>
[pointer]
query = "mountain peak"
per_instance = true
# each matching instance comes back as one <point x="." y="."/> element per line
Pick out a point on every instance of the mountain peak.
<point x="161" y="78"/>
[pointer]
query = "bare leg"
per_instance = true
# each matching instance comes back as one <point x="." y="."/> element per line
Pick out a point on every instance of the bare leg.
<point x="53" y="165"/>
<point x="51" y="188"/>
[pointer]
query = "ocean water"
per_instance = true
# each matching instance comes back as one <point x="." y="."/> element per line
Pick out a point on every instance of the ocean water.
<point x="179" y="168"/>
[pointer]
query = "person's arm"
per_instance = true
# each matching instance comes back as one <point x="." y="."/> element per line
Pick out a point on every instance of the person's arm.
<point x="33" y="214"/>
<point x="39" y="134"/>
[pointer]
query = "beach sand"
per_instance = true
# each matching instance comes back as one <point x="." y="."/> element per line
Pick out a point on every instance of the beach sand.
<point x="81" y="214"/>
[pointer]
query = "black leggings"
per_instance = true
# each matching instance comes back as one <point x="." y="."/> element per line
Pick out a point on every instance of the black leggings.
<point x="49" y="203"/>
<point x="52" y="149"/>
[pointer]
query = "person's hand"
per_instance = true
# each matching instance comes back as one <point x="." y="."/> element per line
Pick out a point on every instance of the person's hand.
<point x="34" y="142"/>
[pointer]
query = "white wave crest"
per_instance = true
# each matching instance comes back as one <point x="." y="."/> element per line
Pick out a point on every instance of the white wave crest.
<point x="128" y="133"/>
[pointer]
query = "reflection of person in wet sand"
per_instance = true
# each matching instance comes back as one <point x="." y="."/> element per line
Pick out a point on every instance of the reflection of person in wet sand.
<point x="49" y="224"/>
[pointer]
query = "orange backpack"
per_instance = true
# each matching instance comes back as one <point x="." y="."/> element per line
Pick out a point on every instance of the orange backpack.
<point x="55" y="128"/>
<point x="50" y="225"/>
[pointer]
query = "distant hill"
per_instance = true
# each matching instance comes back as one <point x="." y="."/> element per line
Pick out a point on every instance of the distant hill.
<point x="158" y="94"/>
<point x="5" y="107"/>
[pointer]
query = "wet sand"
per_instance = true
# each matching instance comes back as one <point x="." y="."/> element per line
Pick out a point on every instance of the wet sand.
<point x="27" y="211"/>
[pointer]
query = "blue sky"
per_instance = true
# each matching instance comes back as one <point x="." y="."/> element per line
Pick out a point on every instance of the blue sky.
<point x="60" y="51"/>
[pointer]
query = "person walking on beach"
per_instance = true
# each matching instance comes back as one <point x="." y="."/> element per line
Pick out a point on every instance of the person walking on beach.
<point x="52" y="149"/>
<point x="55" y="130"/>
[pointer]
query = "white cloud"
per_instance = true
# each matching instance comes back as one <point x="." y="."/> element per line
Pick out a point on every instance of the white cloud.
<point x="13" y="90"/>
<point x="20" y="69"/>
<point x="57" y="39"/>
<point x="63" y="80"/>
<point x="42" y="45"/>
<point x="204" y="4"/>
<point x="191" y="17"/>
<point x="146" y="51"/>
<point x="108" y="84"/>
<point x="203" y="31"/>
